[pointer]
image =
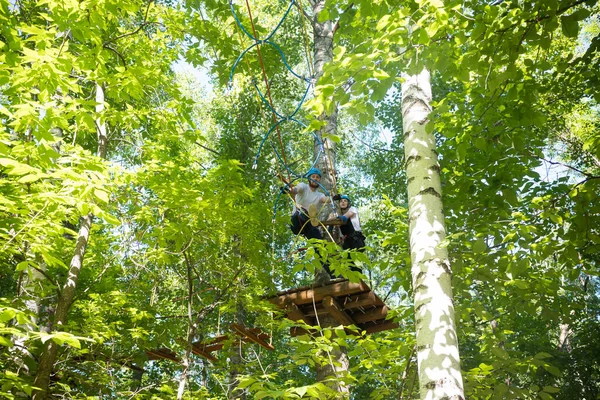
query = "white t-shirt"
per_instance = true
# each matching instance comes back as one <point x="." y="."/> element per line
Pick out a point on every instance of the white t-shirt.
<point x="355" y="220"/>
<point x="305" y="196"/>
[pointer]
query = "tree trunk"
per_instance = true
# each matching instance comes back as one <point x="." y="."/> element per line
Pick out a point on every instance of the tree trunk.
<point x="65" y="299"/>
<point x="437" y="345"/>
<point x="48" y="356"/>
<point x="187" y="357"/>
<point x="564" y="343"/>
<point x="323" y="41"/>
<point x="337" y="363"/>
<point x="236" y="359"/>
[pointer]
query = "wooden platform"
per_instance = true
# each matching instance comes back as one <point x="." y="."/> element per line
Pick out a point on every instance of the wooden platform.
<point x="206" y="348"/>
<point x="349" y="303"/>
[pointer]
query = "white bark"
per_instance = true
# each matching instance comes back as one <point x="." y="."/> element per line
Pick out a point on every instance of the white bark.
<point x="337" y="363"/>
<point x="564" y="343"/>
<point x="437" y="345"/>
<point x="323" y="42"/>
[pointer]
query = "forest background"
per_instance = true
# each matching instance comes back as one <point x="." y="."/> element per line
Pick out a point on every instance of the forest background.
<point x="132" y="219"/>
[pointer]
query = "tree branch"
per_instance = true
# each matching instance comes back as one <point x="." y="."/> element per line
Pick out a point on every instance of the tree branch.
<point x="48" y="277"/>
<point x="117" y="53"/>
<point x="207" y="148"/>
<point x="143" y="24"/>
<point x="337" y="23"/>
<point x="303" y="11"/>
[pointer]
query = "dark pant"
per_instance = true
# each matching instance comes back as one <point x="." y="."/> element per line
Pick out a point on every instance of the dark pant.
<point x="354" y="240"/>
<point x="300" y="225"/>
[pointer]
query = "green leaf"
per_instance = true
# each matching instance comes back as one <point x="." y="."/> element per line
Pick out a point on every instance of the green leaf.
<point x="542" y="355"/>
<point x="551" y="389"/>
<point x="16" y="168"/>
<point x="382" y="23"/>
<point x="22" y="266"/>
<point x="479" y="246"/>
<point x="62" y="337"/>
<point x="552" y="369"/>
<point x="301" y="391"/>
<point x="545" y="396"/>
<point x="101" y="195"/>
<point x="570" y="26"/>
<point x="30" y="178"/>
<point x="5" y="342"/>
<point x="332" y="137"/>
<point x="580" y="14"/>
<point x="7" y="315"/>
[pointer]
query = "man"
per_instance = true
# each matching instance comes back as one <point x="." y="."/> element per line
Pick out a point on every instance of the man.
<point x="305" y="195"/>
<point x="352" y="235"/>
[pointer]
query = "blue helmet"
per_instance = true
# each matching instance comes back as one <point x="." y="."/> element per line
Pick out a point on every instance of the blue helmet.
<point x="313" y="171"/>
<point x="345" y="197"/>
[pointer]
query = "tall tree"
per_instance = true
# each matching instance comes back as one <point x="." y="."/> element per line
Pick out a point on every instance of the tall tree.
<point x="435" y="326"/>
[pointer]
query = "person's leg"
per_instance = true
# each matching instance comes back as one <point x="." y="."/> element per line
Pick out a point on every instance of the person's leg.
<point x="354" y="241"/>
<point x="295" y="225"/>
<point x="312" y="232"/>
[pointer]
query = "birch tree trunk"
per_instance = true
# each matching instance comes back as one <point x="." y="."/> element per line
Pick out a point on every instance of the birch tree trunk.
<point x="336" y="362"/>
<point x="323" y="48"/>
<point x="67" y="293"/>
<point x="437" y="345"/>
<point x="323" y="42"/>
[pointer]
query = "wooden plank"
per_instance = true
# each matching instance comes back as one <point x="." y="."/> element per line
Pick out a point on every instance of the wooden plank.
<point x="369" y="299"/>
<point x="336" y="311"/>
<point x="208" y="347"/>
<point x="242" y="331"/>
<point x="309" y="310"/>
<point x="331" y="222"/>
<point x="370" y="315"/>
<point x="317" y="294"/>
<point x="162" y="353"/>
<point x="381" y="327"/>
<point x="203" y="353"/>
<point x="217" y="339"/>
<point x="263" y="335"/>
<point x="303" y="288"/>
<point x="294" y="313"/>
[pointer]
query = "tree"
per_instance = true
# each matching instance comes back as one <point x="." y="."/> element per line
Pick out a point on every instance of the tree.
<point x="437" y="341"/>
<point x="181" y="239"/>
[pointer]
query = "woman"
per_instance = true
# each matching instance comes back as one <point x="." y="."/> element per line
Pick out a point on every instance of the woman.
<point x="352" y="235"/>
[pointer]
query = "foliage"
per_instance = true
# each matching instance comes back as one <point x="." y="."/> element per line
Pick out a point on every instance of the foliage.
<point x="183" y="245"/>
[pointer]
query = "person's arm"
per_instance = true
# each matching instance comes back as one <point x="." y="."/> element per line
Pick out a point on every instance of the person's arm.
<point x="296" y="189"/>
<point x="349" y="214"/>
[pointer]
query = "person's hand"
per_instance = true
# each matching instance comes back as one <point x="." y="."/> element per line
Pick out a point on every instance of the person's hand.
<point x="337" y="197"/>
<point x="343" y="218"/>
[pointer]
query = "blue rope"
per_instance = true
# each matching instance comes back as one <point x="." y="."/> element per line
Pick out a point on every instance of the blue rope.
<point x="237" y="20"/>
<point x="279" y="118"/>
<point x="262" y="143"/>
<point x="262" y="97"/>
<point x="278" y="49"/>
